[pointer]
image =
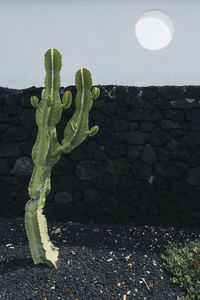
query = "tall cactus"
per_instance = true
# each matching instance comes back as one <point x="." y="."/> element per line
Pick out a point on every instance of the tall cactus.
<point x="47" y="150"/>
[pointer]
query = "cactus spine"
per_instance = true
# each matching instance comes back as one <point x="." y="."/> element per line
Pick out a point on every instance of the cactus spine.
<point x="47" y="150"/>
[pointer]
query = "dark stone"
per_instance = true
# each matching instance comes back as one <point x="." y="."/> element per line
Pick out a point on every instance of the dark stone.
<point x="159" y="184"/>
<point x="167" y="124"/>
<point x="192" y="103"/>
<point x="26" y="148"/>
<point x="148" y="155"/>
<point x="192" y="115"/>
<point x="135" y="138"/>
<point x="193" y="92"/>
<point x="65" y="166"/>
<point x="9" y="181"/>
<point x="171" y="211"/>
<point x="82" y="152"/>
<point x="98" y="213"/>
<point x="186" y="141"/>
<point x="172" y="145"/>
<point x="132" y="104"/>
<point x="97" y="150"/>
<point x="125" y="182"/>
<point x="33" y="134"/>
<point x="107" y="182"/>
<point x="4" y="167"/>
<point x="193" y="194"/>
<point x="63" y="198"/>
<point x="133" y="153"/>
<point x="141" y="201"/>
<point x="66" y="183"/>
<point x="132" y="92"/>
<point x="147" y="126"/>
<point x="4" y="118"/>
<point x="23" y="167"/>
<point x="15" y="133"/>
<point x="91" y="197"/>
<point x="175" y="133"/>
<point x="172" y="93"/>
<point x="77" y="208"/>
<point x="124" y="210"/>
<point x="12" y="98"/>
<point x="119" y="125"/>
<point x="101" y="120"/>
<point x="3" y="127"/>
<point x="173" y="155"/>
<point x="180" y="104"/>
<point x="108" y="92"/>
<point x="196" y="138"/>
<point x="9" y="150"/>
<point x="183" y="155"/>
<point x="117" y="151"/>
<point x="122" y="92"/>
<point x="158" y="137"/>
<point x="154" y="210"/>
<point x="141" y="171"/>
<point x="133" y="126"/>
<point x="117" y="166"/>
<point x="32" y="91"/>
<point x="162" y="154"/>
<point x="133" y="116"/>
<point x="77" y="196"/>
<point x="108" y="109"/>
<point x="151" y="116"/>
<point x="150" y="92"/>
<point x="13" y="110"/>
<point x="194" y="176"/>
<point x="12" y="207"/>
<point x="173" y="115"/>
<point x="179" y="187"/>
<point x="195" y="125"/>
<point x="170" y="172"/>
<point x="194" y="159"/>
<point x="87" y="170"/>
<point x="4" y="91"/>
<point x="121" y="111"/>
<point x="25" y="101"/>
<point x="163" y="104"/>
<point x="28" y="117"/>
<point x="107" y="137"/>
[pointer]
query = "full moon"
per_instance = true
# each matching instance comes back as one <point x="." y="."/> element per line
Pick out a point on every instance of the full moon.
<point x="154" y="30"/>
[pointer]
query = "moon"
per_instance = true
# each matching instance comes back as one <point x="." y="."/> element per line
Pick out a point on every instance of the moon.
<point x="154" y="30"/>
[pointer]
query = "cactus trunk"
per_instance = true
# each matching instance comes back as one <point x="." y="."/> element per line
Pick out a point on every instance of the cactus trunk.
<point x="47" y="151"/>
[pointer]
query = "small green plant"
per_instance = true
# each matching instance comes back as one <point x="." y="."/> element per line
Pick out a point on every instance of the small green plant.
<point x="184" y="263"/>
<point x="47" y="150"/>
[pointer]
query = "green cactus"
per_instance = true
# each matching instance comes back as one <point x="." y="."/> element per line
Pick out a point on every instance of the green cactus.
<point x="47" y="150"/>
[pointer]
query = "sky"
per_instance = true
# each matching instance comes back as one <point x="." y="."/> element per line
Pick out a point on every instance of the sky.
<point x="100" y="36"/>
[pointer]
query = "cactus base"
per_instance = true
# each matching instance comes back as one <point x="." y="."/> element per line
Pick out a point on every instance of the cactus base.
<point x="42" y="250"/>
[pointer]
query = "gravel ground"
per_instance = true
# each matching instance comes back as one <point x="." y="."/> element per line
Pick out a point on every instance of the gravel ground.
<point x="95" y="262"/>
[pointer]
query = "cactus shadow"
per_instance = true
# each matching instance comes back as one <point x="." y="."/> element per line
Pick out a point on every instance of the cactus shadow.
<point x="12" y="265"/>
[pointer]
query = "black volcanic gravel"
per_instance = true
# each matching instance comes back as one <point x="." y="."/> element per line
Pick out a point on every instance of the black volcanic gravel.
<point x="95" y="262"/>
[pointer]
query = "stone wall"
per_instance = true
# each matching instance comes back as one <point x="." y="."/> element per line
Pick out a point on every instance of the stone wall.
<point x="142" y="167"/>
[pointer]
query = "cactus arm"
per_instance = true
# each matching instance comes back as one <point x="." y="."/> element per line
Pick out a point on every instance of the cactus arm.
<point x="77" y="130"/>
<point x="47" y="151"/>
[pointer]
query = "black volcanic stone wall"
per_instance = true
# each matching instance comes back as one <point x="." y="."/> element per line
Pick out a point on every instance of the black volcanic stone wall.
<point x="142" y="167"/>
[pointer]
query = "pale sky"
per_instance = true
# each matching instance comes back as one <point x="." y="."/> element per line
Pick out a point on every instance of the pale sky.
<point x="98" y="35"/>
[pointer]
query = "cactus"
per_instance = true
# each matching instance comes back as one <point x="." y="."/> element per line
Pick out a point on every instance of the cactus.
<point x="47" y="150"/>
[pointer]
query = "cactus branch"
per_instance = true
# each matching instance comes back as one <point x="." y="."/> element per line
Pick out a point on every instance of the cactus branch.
<point x="47" y="150"/>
